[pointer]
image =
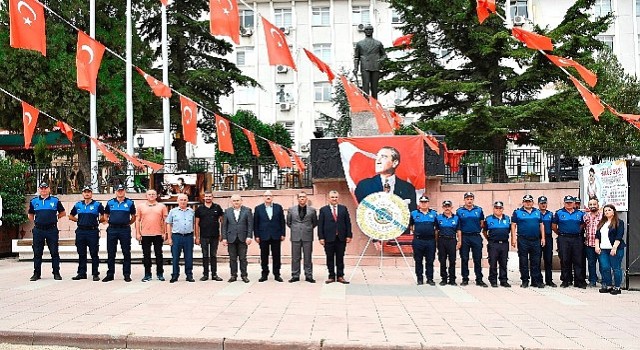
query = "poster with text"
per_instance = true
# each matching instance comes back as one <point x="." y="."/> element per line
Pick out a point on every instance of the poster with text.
<point x="606" y="182"/>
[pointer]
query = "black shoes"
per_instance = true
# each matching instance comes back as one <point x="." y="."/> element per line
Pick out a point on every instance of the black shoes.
<point x="565" y="285"/>
<point x="537" y="284"/>
<point x="309" y="279"/>
<point x="173" y="280"/>
<point x="453" y="283"/>
<point x="232" y="279"/>
<point x="204" y="278"/>
<point x="494" y="284"/>
<point x="605" y="290"/>
<point x="464" y="283"/>
<point x="294" y="279"/>
<point x="443" y="283"/>
<point x="245" y="279"/>
<point x="342" y="280"/>
<point x="505" y="284"/>
<point x="615" y="291"/>
<point x="57" y="277"/>
<point x="278" y="279"/>
<point x="551" y="284"/>
<point x="96" y="278"/>
<point x="35" y="277"/>
<point x="420" y="282"/>
<point x="107" y="279"/>
<point x="190" y="279"/>
<point x="581" y="285"/>
<point x="79" y="277"/>
<point x="127" y="278"/>
<point x="216" y="278"/>
<point x="481" y="284"/>
<point x="431" y="282"/>
<point x="525" y="284"/>
<point x="263" y="278"/>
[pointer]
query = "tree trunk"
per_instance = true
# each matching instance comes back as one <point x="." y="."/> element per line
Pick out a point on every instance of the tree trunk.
<point x="84" y="164"/>
<point x="181" y="153"/>
<point x="499" y="174"/>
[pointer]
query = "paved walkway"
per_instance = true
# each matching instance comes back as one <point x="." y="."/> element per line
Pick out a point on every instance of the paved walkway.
<point x="381" y="308"/>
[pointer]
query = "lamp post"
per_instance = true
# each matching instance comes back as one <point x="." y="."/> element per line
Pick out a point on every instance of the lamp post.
<point x="140" y="141"/>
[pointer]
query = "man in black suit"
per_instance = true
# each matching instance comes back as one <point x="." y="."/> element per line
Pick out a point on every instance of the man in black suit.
<point x="269" y="232"/>
<point x="387" y="160"/>
<point x="334" y="232"/>
<point x="237" y="232"/>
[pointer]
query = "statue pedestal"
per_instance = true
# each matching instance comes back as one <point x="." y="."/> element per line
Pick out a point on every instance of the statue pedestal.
<point x="364" y="124"/>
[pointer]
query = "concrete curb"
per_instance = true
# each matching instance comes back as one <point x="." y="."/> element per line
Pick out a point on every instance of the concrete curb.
<point x="13" y="337"/>
<point x="149" y="342"/>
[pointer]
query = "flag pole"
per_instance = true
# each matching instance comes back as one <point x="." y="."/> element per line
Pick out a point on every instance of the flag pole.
<point x="129" y="99"/>
<point x="93" y="120"/>
<point x="166" y="118"/>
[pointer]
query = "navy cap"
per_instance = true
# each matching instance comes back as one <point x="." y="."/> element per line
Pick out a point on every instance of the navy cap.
<point x="542" y="199"/>
<point x="87" y="188"/>
<point x="120" y="187"/>
<point x="577" y="199"/>
<point x="469" y="194"/>
<point x="569" y="199"/>
<point x="527" y="197"/>
<point x="423" y="198"/>
<point x="498" y="204"/>
<point x="447" y="203"/>
<point x="44" y="185"/>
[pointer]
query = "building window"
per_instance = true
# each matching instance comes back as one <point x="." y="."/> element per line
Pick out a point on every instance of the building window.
<point x="602" y="8"/>
<point x="607" y="40"/>
<point x="244" y="56"/>
<point x="321" y="16"/>
<point x="246" y="18"/>
<point x="284" y="93"/>
<point x="637" y="8"/>
<point x="323" y="51"/>
<point x="283" y="18"/>
<point x="289" y="126"/>
<point x="519" y="8"/>
<point x="396" y="18"/>
<point x="245" y="95"/>
<point x="322" y="92"/>
<point x="361" y="15"/>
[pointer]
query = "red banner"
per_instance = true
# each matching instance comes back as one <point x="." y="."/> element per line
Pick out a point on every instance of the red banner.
<point x="158" y="88"/>
<point x="88" y="58"/>
<point x="282" y="157"/>
<point x="277" y="47"/>
<point x="224" y="19"/>
<point x="223" y="130"/>
<point x="189" y="112"/>
<point x="29" y="119"/>
<point x="27" y="25"/>
<point x="252" y="141"/>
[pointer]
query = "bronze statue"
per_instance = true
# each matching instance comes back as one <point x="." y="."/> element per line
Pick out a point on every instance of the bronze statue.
<point x="369" y="54"/>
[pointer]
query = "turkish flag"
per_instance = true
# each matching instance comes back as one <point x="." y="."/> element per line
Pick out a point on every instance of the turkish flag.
<point x="65" y="129"/>
<point x="132" y="159"/>
<point x="29" y="119"/>
<point x="277" y="46"/>
<point x="397" y="120"/>
<point x="484" y="8"/>
<point x="189" y="111"/>
<point x="107" y="154"/>
<point x="223" y="130"/>
<point x="384" y="126"/>
<point x="299" y="163"/>
<point x="430" y="140"/>
<point x="357" y="101"/>
<point x="281" y="156"/>
<point x="591" y="99"/>
<point x="88" y="57"/>
<point x="532" y="40"/>
<point x="252" y="141"/>
<point x="158" y="88"/>
<point x="588" y="76"/>
<point x="358" y="156"/>
<point x="152" y="165"/>
<point x="323" y="67"/>
<point x="403" y="41"/>
<point x="453" y="159"/>
<point x="164" y="2"/>
<point x="27" y="25"/>
<point x="224" y="19"/>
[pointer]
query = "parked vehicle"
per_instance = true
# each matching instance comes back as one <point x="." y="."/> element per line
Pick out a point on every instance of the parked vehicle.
<point x="564" y="169"/>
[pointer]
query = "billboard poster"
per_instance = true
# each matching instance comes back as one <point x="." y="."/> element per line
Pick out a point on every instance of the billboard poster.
<point x="606" y="182"/>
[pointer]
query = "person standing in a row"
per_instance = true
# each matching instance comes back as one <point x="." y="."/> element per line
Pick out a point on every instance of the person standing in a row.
<point x="269" y="232"/>
<point x="237" y="234"/>
<point x="497" y="228"/>
<point x="334" y="233"/>
<point x="423" y="224"/>
<point x="208" y="219"/>
<point x="120" y="213"/>
<point x="151" y="231"/>
<point x="547" y="250"/>
<point x="610" y="248"/>
<point x="45" y="211"/>
<point x="471" y="224"/>
<point x="568" y="225"/>
<point x="449" y="240"/>
<point x="88" y="213"/>
<point x="527" y="233"/>
<point x="302" y="219"/>
<point x="181" y="224"/>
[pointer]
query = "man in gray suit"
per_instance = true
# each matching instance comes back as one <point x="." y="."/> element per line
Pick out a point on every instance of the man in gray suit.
<point x="302" y="219"/>
<point x="369" y="54"/>
<point x="237" y="232"/>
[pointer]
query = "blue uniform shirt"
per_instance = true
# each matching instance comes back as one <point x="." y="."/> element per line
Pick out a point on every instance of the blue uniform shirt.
<point x="448" y="226"/>
<point x="424" y="224"/>
<point x="181" y="220"/>
<point x="546" y="221"/>
<point x="528" y="223"/>
<point x="120" y="212"/>
<point x="498" y="229"/>
<point x="45" y="210"/>
<point x="88" y="214"/>
<point x="470" y="219"/>
<point x="568" y="223"/>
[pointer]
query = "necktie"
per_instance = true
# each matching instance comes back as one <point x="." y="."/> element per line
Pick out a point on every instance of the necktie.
<point x="334" y="211"/>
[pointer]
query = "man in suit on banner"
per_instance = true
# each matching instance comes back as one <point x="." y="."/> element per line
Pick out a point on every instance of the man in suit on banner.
<point x="334" y="232"/>
<point x="269" y="232"/>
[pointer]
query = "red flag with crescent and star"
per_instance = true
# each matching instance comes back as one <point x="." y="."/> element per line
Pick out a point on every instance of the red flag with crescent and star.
<point x="588" y="76"/>
<point x="27" y="26"/>
<point x="164" y="2"/>
<point x="252" y="141"/>
<point x="223" y="130"/>
<point x="88" y="57"/>
<point x="397" y="119"/>
<point x="430" y="140"/>
<point x="532" y="40"/>
<point x="224" y="19"/>
<point x="107" y="154"/>
<point x="381" y="116"/>
<point x="484" y="8"/>
<point x="356" y="99"/>
<point x="277" y="47"/>
<point x="65" y="129"/>
<point x="29" y="119"/>
<point x="592" y="100"/>
<point x="299" y="163"/>
<point x="158" y="88"/>
<point x="189" y="112"/>
<point x="323" y="67"/>
<point x="403" y="41"/>
<point x="281" y="156"/>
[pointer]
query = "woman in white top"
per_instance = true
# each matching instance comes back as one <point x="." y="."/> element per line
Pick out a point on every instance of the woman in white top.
<point x="610" y="247"/>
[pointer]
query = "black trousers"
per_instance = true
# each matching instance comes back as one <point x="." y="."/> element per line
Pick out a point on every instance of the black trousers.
<point x="447" y="252"/>
<point x="238" y="251"/>
<point x="335" y="257"/>
<point x="571" y="253"/>
<point x="209" y="247"/>
<point x="424" y="250"/>
<point x="529" y="252"/>
<point x="498" y="256"/>
<point x="88" y="239"/>
<point x="274" y="245"/>
<point x="157" y="241"/>
<point x="547" y="258"/>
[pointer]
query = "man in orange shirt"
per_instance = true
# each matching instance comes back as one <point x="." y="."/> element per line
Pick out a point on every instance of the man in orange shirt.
<point x="150" y="230"/>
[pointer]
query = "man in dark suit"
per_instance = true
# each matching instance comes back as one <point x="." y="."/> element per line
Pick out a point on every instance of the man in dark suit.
<point x="302" y="219"/>
<point x="334" y="232"/>
<point x="269" y="232"/>
<point x="387" y="160"/>
<point x="237" y="232"/>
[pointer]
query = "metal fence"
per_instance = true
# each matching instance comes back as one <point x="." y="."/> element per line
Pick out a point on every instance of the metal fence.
<point x="70" y="177"/>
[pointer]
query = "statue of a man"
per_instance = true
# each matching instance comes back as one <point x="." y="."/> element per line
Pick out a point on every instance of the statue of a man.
<point x="369" y="55"/>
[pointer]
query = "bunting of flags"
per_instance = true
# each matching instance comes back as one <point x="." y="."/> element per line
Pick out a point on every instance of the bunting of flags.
<point x="277" y="47"/>
<point x="225" y="143"/>
<point x="158" y="88"/>
<point x="29" y="119"/>
<point x="88" y="58"/>
<point x="224" y="19"/>
<point x="189" y="112"/>
<point x="27" y="25"/>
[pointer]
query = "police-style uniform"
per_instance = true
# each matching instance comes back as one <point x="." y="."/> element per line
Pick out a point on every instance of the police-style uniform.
<point x="470" y="225"/>
<point x="529" y="243"/>
<point x="88" y="235"/>
<point x="569" y="226"/>
<point x="547" y="250"/>
<point x="119" y="230"/>
<point x="45" y="211"/>
<point x="447" y="241"/>
<point x="498" y="230"/>
<point x="424" y="226"/>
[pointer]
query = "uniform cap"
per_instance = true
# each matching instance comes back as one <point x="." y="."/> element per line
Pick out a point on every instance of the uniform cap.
<point x="447" y="203"/>
<point x="569" y="199"/>
<point x="87" y="188"/>
<point x="120" y="187"/>
<point x="577" y="199"/>
<point x="44" y="185"/>
<point x="542" y="199"/>
<point x="498" y="204"/>
<point x="469" y="194"/>
<point x="527" y="197"/>
<point x="423" y="198"/>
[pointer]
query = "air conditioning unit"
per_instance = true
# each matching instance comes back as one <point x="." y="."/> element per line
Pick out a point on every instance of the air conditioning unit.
<point x="285" y="106"/>
<point x="247" y="32"/>
<point x="282" y="69"/>
<point x="519" y="20"/>
<point x="285" y="30"/>
<point x="361" y="27"/>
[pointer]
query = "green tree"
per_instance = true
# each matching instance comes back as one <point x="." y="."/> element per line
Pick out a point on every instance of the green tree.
<point x="12" y="178"/>
<point x="196" y="68"/>
<point x="486" y="83"/>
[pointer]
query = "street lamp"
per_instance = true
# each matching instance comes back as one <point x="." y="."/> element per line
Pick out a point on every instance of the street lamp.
<point x="140" y="141"/>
